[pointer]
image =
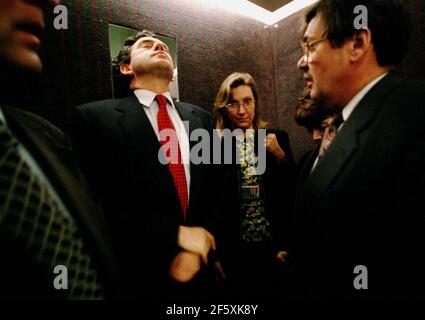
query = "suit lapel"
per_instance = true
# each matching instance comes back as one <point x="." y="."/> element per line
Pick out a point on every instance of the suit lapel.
<point x="144" y="141"/>
<point x="138" y="128"/>
<point x="346" y="141"/>
<point x="187" y="115"/>
<point x="146" y="145"/>
<point x="306" y="169"/>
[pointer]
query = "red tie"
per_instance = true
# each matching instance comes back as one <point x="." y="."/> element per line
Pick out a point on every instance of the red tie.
<point x="176" y="167"/>
<point x="330" y="133"/>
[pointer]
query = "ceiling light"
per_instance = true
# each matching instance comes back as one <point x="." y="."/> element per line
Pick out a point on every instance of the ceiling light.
<point x="247" y="8"/>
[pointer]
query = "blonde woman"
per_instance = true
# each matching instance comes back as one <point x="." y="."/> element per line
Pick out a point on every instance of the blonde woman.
<point x="254" y="209"/>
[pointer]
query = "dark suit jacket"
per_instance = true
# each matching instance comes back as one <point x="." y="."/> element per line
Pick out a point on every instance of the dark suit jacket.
<point x="279" y="185"/>
<point x="118" y="150"/>
<point x="306" y="156"/>
<point x="364" y="204"/>
<point x="20" y="274"/>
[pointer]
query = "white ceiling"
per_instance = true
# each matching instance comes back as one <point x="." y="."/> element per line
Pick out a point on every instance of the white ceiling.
<point x="248" y="8"/>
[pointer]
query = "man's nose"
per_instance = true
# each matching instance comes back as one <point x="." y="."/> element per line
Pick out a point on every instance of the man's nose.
<point x="159" y="46"/>
<point x="302" y="63"/>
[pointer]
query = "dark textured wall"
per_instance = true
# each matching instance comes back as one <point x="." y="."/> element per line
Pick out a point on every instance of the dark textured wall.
<point x="211" y="44"/>
<point x="288" y="79"/>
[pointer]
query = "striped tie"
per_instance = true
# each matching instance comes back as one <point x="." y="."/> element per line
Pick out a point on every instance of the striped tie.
<point x="330" y="133"/>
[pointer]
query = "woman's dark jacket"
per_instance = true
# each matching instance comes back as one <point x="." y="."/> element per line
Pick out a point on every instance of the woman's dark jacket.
<point x="279" y="183"/>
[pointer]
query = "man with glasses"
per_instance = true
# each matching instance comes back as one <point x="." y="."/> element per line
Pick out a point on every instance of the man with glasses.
<point x="359" y="217"/>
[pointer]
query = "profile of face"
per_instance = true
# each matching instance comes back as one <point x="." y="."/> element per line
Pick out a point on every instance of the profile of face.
<point x="324" y="67"/>
<point x="241" y="107"/>
<point x="21" y="22"/>
<point x="150" y="56"/>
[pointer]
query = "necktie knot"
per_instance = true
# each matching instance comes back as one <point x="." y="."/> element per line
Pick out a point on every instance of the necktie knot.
<point x="330" y="133"/>
<point x="162" y="101"/>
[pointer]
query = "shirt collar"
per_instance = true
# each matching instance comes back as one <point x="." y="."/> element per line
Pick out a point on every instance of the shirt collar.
<point x="146" y="97"/>
<point x="349" y="108"/>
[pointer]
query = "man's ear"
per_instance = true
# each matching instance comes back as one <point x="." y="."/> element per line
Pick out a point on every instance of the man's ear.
<point x="360" y="44"/>
<point x="125" y="69"/>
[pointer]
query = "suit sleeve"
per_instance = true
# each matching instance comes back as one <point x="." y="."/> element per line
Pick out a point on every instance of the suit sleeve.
<point x="282" y="177"/>
<point x="411" y="185"/>
<point x="108" y="165"/>
<point x="82" y="140"/>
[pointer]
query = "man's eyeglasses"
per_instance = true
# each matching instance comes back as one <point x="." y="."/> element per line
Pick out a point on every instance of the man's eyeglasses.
<point x="247" y="103"/>
<point x="310" y="46"/>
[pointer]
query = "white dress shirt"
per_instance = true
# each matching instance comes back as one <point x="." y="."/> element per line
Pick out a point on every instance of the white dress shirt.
<point x="151" y="108"/>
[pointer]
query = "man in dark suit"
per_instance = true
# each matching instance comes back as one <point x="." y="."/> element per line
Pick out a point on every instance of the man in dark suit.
<point x="155" y="213"/>
<point x="361" y="204"/>
<point x="53" y="243"/>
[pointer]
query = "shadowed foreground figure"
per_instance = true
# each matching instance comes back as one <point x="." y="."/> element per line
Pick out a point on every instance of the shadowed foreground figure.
<point x="47" y="217"/>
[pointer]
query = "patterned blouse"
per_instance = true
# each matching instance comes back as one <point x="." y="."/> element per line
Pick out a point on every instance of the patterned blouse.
<point x="254" y="224"/>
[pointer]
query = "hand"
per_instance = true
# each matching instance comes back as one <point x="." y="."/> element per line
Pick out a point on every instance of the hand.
<point x="185" y="266"/>
<point x="281" y="256"/>
<point x="197" y="240"/>
<point x="273" y="146"/>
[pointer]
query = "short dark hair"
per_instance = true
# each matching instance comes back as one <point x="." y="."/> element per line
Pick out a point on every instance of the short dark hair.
<point x="388" y="21"/>
<point x="122" y="82"/>
<point x="310" y="114"/>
